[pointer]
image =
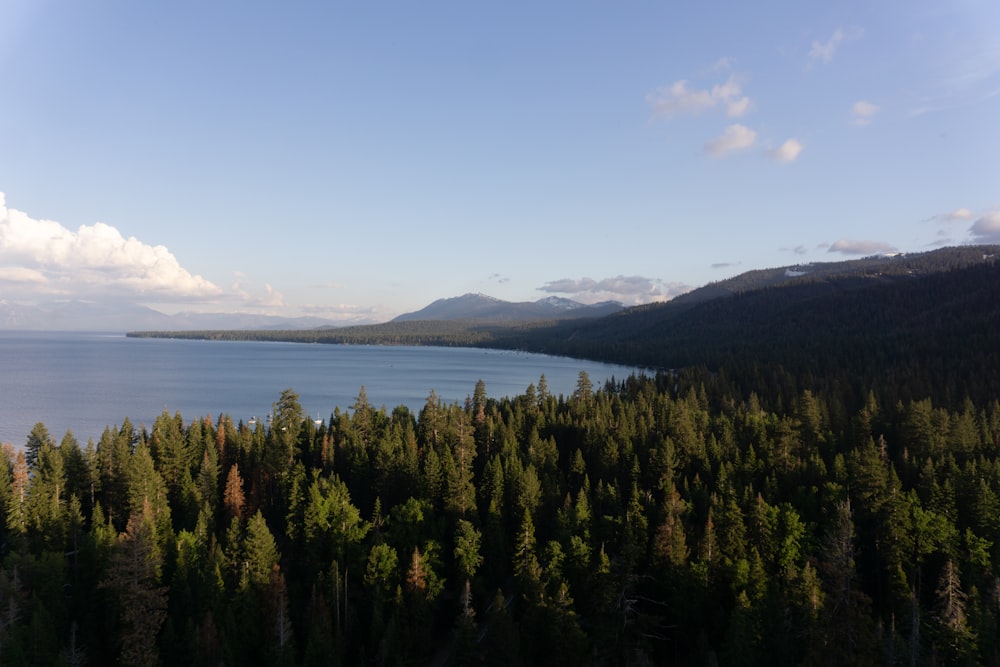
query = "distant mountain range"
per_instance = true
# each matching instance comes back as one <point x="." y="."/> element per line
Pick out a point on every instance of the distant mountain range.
<point x="608" y="321"/>
<point x="95" y="316"/>
<point x="483" y="307"/>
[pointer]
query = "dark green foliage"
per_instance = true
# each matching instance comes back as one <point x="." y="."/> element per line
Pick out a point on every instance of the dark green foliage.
<point x="757" y="514"/>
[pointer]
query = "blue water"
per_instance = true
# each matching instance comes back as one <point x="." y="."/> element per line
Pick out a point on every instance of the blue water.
<point x="86" y="381"/>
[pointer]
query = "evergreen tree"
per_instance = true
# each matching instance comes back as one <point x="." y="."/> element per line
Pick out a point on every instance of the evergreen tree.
<point x="466" y="631"/>
<point x="38" y="438"/>
<point x="133" y="578"/>
<point x="954" y="636"/>
<point x="16" y="514"/>
<point x="467" y="553"/>
<point x="233" y="498"/>
<point x="260" y="552"/>
<point x="848" y="638"/>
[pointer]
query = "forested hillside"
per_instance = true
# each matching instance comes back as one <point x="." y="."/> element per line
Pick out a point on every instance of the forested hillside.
<point x="667" y="520"/>
<point x="932" y="334"/>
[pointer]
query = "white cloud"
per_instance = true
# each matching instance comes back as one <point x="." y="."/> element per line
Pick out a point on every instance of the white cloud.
<point x="986" y="228"/>
<point x="946" y="220"/>
<point x="21" y="274"/>
<point x="824" y="51"/>
<point x="863" y="112"/>
<point x="857" y="247"/>
<point x="680" y="99"/>
<point x="259" y="298"/>
<point x="738" y="107"/>
<point x="630" y="290"/>
<point x="786" y="152"/>
<point x="50" y="259"/>
<point x="959" y="214"/>
<point x="733" y="138"/>
<point x="271" y="298"/>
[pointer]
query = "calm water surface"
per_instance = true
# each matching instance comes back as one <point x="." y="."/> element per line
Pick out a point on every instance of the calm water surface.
<point x="87" y="381"/>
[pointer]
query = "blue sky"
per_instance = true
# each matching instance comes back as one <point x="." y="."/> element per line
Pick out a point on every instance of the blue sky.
<point x="360" y="160"/>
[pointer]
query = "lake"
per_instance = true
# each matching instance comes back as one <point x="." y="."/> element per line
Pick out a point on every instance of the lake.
<point x="87" y="381"/>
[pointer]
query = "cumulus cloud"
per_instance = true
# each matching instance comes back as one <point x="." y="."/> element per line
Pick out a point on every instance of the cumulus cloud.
<point x="786" y="152"/>
<point x="733" y="138"/>
<point x="42" y="257"/>
<point x="824" y="51"/>
<point x="21" y="274"/>
<point x="863" y="112"/>
<point x="679" y="99"/>
<point x="857" y="247"/>
<point x="986" y="228"/>
<point x="630" y="290"/>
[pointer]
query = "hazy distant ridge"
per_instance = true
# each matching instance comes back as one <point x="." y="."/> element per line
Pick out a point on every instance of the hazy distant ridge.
<point x="95" y="316"/>
<point x="482" y="307"/>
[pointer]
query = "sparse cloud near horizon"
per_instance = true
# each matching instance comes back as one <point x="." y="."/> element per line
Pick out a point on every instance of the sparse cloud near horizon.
<point x="345" y="313"/>
<point x="859" y="247"/>
<point x="264" y="298"/>
<point x="44" y="259"/>
<point x="498" y="278"/>
<point x="734" y="138"/>
<point x="946" y="225"/>
<point x="271" y="298"/>
<point x="630" y="290"/>
<point x="959" y="214"/>
<point x="986" y="228"/>
<point x="798" y="250"/>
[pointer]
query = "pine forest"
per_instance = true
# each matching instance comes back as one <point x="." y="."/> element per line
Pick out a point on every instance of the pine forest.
<point x="665" y="519"/>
